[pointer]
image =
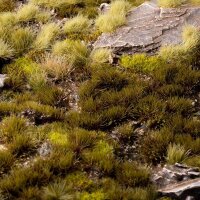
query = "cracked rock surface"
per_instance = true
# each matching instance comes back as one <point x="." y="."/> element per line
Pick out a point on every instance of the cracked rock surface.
<point x="178" y="181"/>
<point x="149" y="27"/>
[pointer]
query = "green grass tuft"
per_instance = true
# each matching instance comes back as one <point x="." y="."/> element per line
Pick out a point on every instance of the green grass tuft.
<point x="115" y="17"/>
<point x="176" y="154"/>
<point x="78" y="24"/>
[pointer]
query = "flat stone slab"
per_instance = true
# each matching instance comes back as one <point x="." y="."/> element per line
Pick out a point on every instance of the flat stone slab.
<point x="148" y="28"/>
<point x="183" y="190"/>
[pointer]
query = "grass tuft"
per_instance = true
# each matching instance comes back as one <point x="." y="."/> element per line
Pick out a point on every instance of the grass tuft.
<point x="114" y="18"/>
<point x="176" y="154"/>
<point x="7" y="5"/>
<point x="46" y="36"/>
<point x="6" y="51"/>
<point x="171" y="3"/>
<point x="27" y="13"/>
<point x="78" y="24"/>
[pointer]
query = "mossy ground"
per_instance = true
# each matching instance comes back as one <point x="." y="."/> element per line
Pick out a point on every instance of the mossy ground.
<point x="62" y="93"/>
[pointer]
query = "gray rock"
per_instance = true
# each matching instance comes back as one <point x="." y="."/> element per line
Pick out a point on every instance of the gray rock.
<point x="148" y="28"/>
<point x="189" y="189"/>
<point x="170" y="174"/>
<point x="3" y="77"/>
<point x="104" y="8"/>
<point x="178" y="181"/>
<point x="45" y="149"/>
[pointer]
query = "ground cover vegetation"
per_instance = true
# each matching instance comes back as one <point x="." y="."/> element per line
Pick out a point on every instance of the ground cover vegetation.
<point x="45" y="53"/>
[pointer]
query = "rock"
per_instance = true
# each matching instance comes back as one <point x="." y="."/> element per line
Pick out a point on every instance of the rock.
<point x="189" y="189"/>
<point x="171" y="174"/>
<point x="104" y="7"/>
<point x="178" y="181"/>
<point x="45" y="149"/>
<point x="148" y="28"/>
<point x="3" y="77"/>
<point x="141" y="130"/>
<point x="3" y="147"/>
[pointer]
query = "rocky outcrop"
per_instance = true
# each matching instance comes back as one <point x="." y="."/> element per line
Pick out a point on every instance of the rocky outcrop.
<point x="178" y="182"/>
<point x="186" y="190"/>
<point x="149" y="27"/>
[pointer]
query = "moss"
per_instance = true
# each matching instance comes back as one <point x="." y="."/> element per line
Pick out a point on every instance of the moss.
<point x="58" y="138"/>
<point x="97" y="195"/>
<point x="141" y="62"/>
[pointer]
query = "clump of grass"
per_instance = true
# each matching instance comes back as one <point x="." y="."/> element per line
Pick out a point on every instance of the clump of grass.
<point x="179" y="74"/>
<point x="102" y="156"/>
<point x="12" y="126"/>
<point x="27" y="12"/>
<point x="171" y="3"/>
<point x="57" y="67"/>
<point x="6" y="161"/>
<point x="21" y="40"/>
<point x="22" y="178"/>
<point x="57" y="190"/>
<point x="193" y="161"/>
<point x="7" y="5"/>
<point x="21" y="144"/>
<point x="115" y="17"/>
<point x="179" y="105"/>
<point x="125" y="130"/>
<point x="79" y="181"/>
<point x="7" y="19"/>
<point x="100" y="56"/>
<point x="61" y="160"/>
<point x="6" y="51"/>
<point x="46" y="36"/>
<point x="195" y="2"/>
<point x="75" y="52"/>
<point x="154" y="146"/>
<point x="78" y="24"/>
<point x="176" y="153"/>
<point x="187" y="52"/>
<point x="133" y="174"/>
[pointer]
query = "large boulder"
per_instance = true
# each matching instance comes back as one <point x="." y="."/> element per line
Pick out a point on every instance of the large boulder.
<point x="149" y="27"/>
